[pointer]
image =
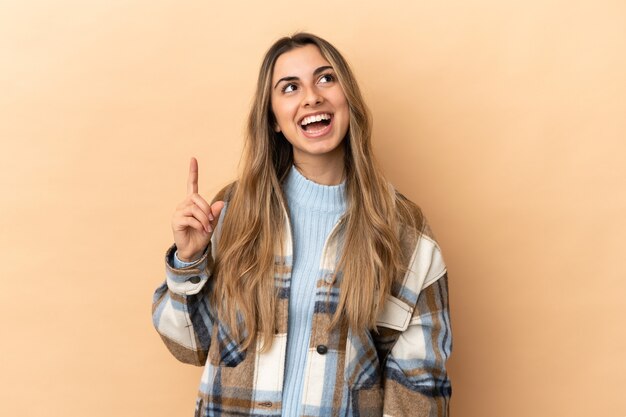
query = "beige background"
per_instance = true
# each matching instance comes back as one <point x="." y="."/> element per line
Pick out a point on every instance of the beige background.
<point x="504" y="120"/>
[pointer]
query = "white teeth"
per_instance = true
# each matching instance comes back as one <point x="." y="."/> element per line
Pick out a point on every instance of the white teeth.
<point x="316" y="118"/>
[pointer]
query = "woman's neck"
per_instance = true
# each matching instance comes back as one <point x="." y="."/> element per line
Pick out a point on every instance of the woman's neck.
<point x="324" y="169"/>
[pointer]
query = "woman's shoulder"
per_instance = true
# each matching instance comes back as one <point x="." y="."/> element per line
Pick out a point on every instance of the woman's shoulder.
<point x="411" y="217"/>
<point x="417" y="242"/>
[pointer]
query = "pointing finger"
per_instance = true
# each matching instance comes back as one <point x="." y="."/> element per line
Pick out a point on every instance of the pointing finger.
<point x="192" y="180"/>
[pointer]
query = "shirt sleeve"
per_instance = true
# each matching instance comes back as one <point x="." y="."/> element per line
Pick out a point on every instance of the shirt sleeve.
<point x="181" y="310"/>
<point x="416" y="382"/>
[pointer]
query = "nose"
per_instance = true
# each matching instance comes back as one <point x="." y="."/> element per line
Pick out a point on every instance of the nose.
<point x="312" y="98"/>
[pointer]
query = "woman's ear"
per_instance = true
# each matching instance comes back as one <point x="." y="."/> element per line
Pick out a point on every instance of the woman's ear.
<point x="276" y="127"/>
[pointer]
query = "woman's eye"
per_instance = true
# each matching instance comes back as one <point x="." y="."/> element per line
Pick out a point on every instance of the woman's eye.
<point x="326" y="78"/>
<point x="288" y="88"/>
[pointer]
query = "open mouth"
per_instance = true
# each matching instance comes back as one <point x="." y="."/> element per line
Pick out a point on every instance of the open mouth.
<point x="316" y="123"/>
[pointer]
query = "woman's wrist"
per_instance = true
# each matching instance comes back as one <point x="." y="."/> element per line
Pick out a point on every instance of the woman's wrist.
<point x="188" y="259"/>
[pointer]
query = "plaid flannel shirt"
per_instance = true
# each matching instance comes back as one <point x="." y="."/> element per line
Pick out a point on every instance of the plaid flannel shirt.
<point x="398" y="370"/>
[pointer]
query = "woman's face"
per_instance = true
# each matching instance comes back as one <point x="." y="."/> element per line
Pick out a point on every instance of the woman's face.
<point x="309" y="105"/>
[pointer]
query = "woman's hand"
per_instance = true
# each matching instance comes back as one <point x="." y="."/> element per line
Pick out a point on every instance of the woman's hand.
<point x="194" y="219"/>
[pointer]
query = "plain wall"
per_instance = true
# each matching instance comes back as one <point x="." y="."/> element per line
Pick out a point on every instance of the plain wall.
<point x="504" y="120"/>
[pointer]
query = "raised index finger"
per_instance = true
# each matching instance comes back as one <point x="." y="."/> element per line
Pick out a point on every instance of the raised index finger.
<point x="192" y="180"/>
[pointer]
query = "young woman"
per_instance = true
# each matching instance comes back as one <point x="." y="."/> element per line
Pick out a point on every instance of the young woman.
<point x="310" y="286"/>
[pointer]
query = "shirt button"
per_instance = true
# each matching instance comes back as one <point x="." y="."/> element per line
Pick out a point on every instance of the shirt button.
<point x="322" y="349"/>
<point x="195" y="279"/>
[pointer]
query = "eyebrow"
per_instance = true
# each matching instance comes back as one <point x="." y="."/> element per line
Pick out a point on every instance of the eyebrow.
<point x="316" y="72"/>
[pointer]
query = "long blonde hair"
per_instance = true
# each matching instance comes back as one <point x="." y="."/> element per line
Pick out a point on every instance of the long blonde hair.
<point x="244" y="295"/>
